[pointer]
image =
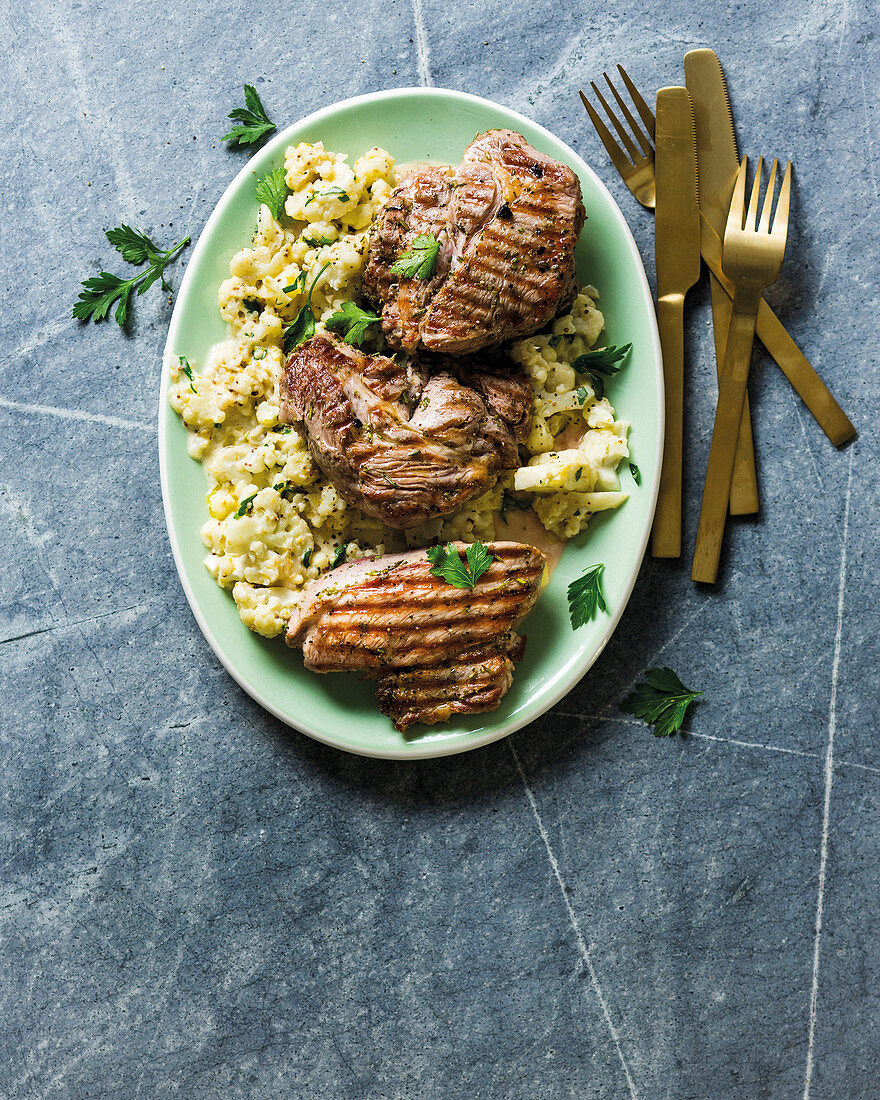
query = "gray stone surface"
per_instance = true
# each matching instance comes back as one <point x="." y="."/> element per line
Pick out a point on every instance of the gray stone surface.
<point x="196" y="901"/>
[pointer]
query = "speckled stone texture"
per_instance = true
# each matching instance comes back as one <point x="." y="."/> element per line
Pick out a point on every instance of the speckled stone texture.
<point x="197" y="901"/>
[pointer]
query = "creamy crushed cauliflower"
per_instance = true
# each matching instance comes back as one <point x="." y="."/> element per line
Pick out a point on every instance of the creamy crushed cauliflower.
<point x="274" y="521"/>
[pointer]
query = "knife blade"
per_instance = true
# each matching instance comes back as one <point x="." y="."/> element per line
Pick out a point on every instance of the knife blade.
<point x="718" y="163"/>
<point x="677" y="253"/>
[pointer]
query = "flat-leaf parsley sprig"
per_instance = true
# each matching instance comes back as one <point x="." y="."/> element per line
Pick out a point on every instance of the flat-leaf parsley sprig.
<point x="101" y="291"/>
<point x="585" y="597"/>
<point x="420" y="259"/>
<point x="662" y="702"/>
<point x="446" y="563"/>
<point x="255" y="123"/>
<point x="271" y="191"/>
<point x="605" y="361"/>
<point x="354" y="320"/>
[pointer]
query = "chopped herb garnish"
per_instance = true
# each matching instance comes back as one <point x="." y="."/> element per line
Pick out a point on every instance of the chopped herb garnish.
<point x="585" y="597"/>
<point x="303" y="327"/>
<point x="245" y="506"/>
<point x="385" y="477"/>
<point x="102" y="290"/>
<point x="307" y="557"/>
<point x="446" y="563"/>
<point x="318" y="242"/>
<point x="354" y="320"/>
<point x="298" y="284"/>
<point x="271" y="190"/>
<point x="256" y="124"/>
<point x="636" y="473"/>
<point x="339" y="556"/>
<point x="420" y="260"/>
<point x="662" y="702"/>
<point x="186" y="369"/>
<point x="337" y="191"/>
<point x="582" y="393"/>
<point x="285" y="489"/>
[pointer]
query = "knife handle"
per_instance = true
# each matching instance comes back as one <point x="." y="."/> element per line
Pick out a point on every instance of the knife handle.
<point x="722" y="452"/>
<point x="666" y="537"/>
<point x="744" y="500"/>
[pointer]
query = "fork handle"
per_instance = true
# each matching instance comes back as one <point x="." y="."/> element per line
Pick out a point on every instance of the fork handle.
<point x="666" y="538"/>
<point x="722" y="452"/>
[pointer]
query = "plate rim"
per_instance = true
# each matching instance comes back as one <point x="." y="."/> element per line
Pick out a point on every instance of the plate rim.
<point x="408" y="750"/>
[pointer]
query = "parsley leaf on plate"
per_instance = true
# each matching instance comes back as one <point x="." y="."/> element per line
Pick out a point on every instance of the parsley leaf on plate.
<point x="101" y="291"/>
<point x="271" y="190"/>
<point x="662" y="702"/>
<point x="256" y="124"/>
<point x="636" y="473"/>
<point x="447" y="564"/>
<point x="585" y="597"/>
<point x="354" y="320"/>
<point x="303" y="326"/>
<point x="420" y="260"/>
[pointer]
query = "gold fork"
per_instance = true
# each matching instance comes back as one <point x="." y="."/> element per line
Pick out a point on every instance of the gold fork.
<point x="636" y="167"/>
<point x="752" y="260"/>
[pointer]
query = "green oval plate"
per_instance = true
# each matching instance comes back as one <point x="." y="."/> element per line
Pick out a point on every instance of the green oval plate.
<point x="339" y="709"/>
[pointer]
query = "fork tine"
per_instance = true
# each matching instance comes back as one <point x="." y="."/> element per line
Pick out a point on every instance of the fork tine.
<point x="647" y="149"/>
<point x="621" y="131"/>
<point x="752" y="216"/>
<point x="645" y="112"/>
<point x="611" y="147"/>
<point x="764" y="227"/>
<point x="780" y="218"/>
<point x="737" y="201"/>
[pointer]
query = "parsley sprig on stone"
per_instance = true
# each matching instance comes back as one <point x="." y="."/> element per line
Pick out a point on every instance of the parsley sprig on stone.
<point x="662" y="701"/>
<point x="102" y="291"/>
<point x="420" y="259"/>
<point x="446" y="563"/>
<point x="255" y="123"/>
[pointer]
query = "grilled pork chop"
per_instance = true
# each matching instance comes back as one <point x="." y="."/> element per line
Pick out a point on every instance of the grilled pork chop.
<point x="398" y="442"/>
<point x="505" y="264"/>
<point x="435" y="650"/>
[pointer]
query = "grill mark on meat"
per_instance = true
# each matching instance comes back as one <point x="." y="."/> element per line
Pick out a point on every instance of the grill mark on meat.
<point x="400" y="443"/>
<point x="512" y="221"/>
<point x="435" y="650"/>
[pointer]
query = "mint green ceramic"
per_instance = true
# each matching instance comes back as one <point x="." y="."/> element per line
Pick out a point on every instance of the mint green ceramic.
<point x="339" y="709"/>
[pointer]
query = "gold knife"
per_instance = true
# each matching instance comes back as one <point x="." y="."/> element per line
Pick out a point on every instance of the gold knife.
<point x="718" y="162"/>
<point x="677" y="252"/>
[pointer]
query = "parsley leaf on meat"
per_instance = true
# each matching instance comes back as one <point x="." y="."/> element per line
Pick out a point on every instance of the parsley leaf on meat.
<point x="420" y="260"/>
<point x="256" y="124"/>
<point x="446" y="563"/>
<point x="101" y="291"/>
<point x="662" y="702"/>
<point x="303" y="327"/>
<point x="271" y="190"/>
<point x="585" y="597"/>
<point x="354" y="320"/>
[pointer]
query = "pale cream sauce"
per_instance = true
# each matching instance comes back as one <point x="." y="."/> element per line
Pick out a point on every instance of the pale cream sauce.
<point x="525" y="527"/>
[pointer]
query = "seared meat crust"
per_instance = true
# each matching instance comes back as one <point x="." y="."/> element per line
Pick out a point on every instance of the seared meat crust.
<point x="400" y="443"/>
<point x="435" y="650"/>
<point x="507" y="235"/>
